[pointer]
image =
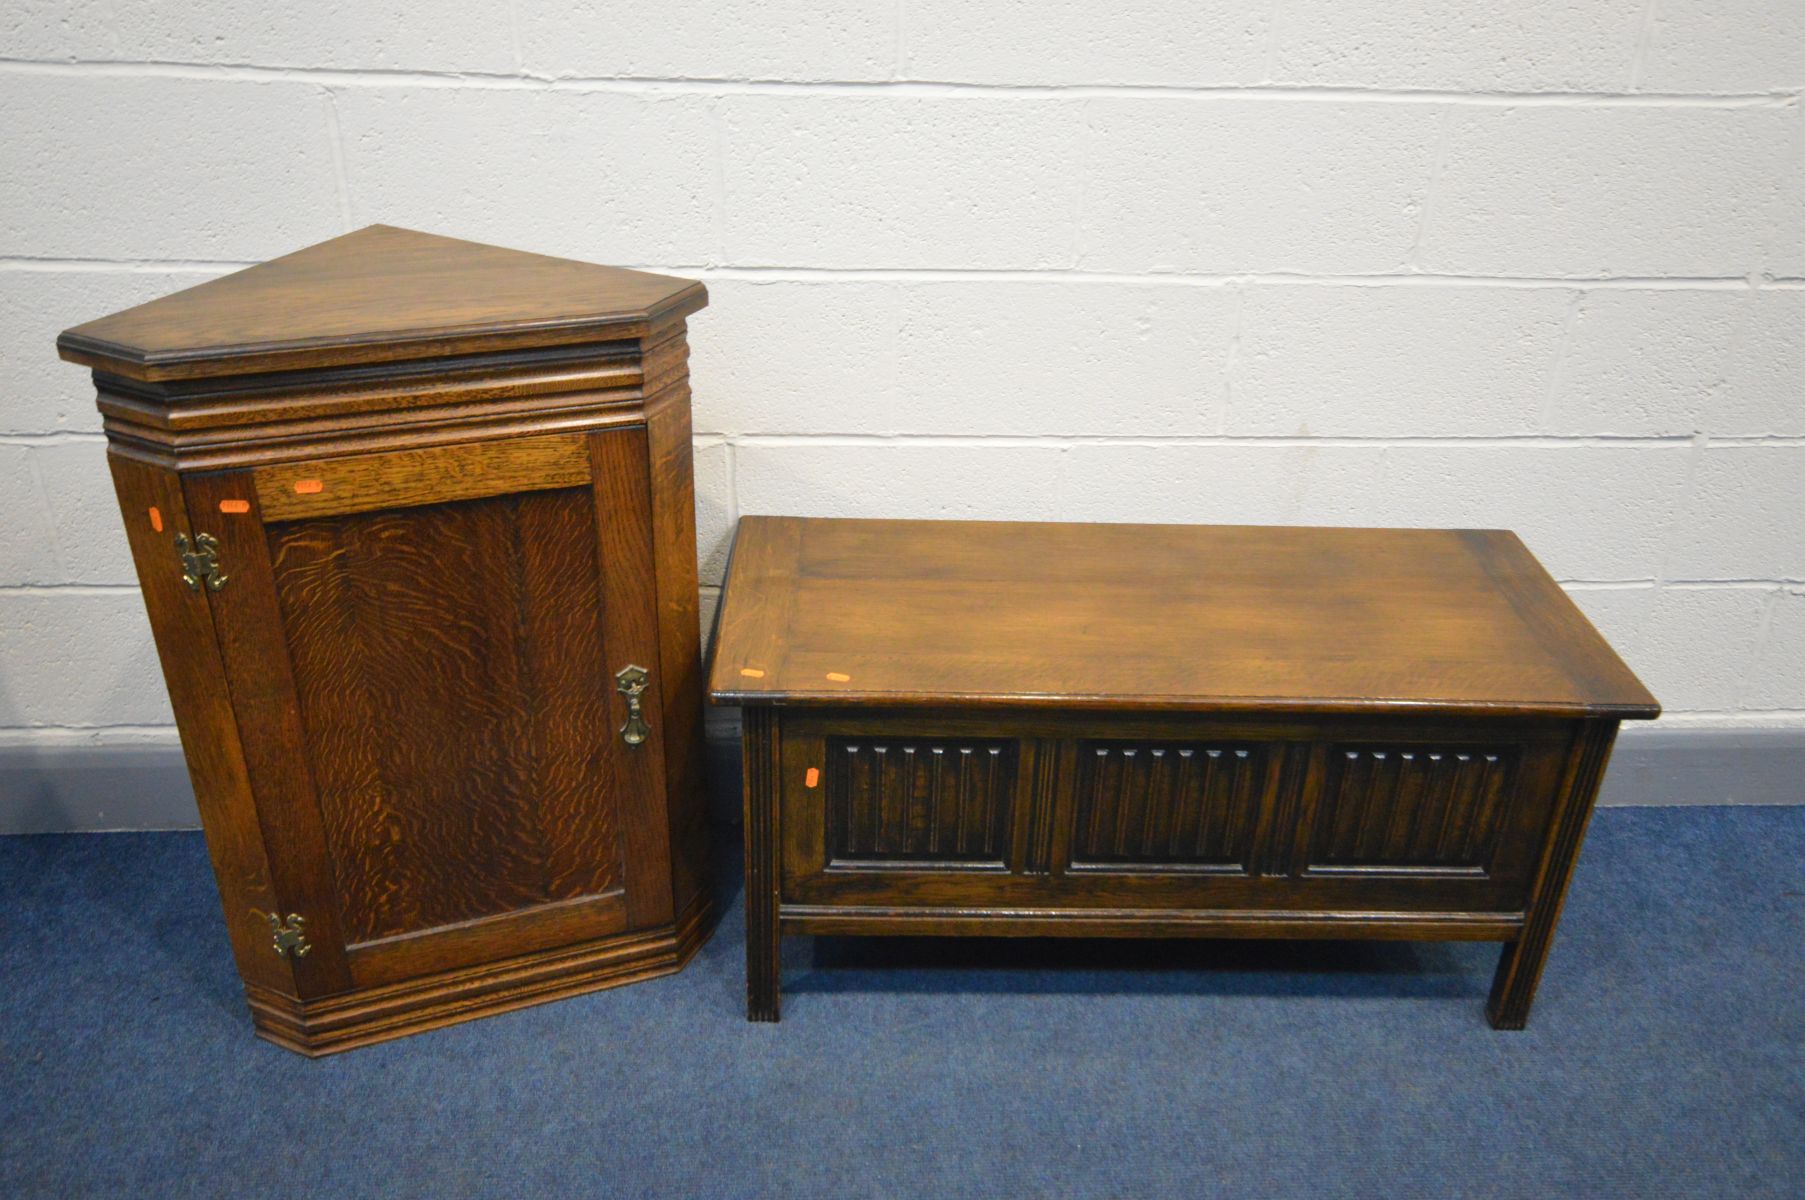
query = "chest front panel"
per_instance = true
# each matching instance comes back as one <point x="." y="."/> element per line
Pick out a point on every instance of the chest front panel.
<point x="1066" y="810"/>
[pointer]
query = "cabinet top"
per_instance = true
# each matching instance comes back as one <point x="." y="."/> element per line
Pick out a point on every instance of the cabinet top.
<point x="377" y="295"/>
<point x="1192" y="618"/>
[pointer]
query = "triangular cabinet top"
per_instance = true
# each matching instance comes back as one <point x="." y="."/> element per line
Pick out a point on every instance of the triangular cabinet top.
<point x="378" y="295"/>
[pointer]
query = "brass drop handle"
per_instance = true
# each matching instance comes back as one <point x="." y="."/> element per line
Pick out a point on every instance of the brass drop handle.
<point x="631" y="681"/>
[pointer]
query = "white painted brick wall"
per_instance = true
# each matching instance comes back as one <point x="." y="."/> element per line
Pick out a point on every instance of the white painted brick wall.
<point x="1228" y="185"/>
<point x="542" y="170"/>
<point x="1077" y="42"/>
<point x="1014" y="359"/>
<point x="825" y="40"/>
<point x="1457" y="45"/>
<point x="1725" y="46"/>
<point x="78" y="659"/>
<point x="1606" y="191"/>
<point x="1644" y="363"/>
<point x="836" y="180"/>
<point x="1537" y="264"/>
<point x="148" y="168"/>
<point x="1396" y="361"/>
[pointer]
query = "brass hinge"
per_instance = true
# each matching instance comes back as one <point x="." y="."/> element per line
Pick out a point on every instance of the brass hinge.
<point x="288" y="935"/>
<point x="200" y="562"/>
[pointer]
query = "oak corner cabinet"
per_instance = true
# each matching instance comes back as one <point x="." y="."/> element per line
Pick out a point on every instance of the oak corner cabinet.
<point x="961" y="727"/>
<point x="413" y="521"/>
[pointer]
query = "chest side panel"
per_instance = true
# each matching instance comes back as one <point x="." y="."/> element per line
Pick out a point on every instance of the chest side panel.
<point x="449" y="663"/>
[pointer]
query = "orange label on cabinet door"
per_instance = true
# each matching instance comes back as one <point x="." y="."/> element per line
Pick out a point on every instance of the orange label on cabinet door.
<point x="156" y="518"/>
<point x="234" y="506"/>
<point x="812" y="778"/>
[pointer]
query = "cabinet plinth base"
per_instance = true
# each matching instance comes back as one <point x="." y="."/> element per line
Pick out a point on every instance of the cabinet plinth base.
<point x="364" y="1017"/>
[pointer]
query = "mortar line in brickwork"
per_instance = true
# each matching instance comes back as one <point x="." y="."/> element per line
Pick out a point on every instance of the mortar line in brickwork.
<point x="69" y="589"/>
<point x="1645" y="29"/>
<point x="789" y="274"/>
<point x="1693" y="584"/>
<point x="161" y="266"/>
<point x="53" y="438"/>
<point x="1764" y="632"/>
<point x="794" y="274"/>
<point x="1006" y="440"/>
<point x="16" y="734"/>
<point x="1728" y="717"/>
<point x="713" y="437"/>
<point x="335" y="147"/>
<point x="529" y="81"/>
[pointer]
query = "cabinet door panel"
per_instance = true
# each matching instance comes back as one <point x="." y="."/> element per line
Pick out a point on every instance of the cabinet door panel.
<point x="446" y="656"/>
<point x="439" y="729"/>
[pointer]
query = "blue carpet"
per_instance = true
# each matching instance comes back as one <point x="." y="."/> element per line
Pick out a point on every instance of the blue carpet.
<point x="1666" y="1055"/>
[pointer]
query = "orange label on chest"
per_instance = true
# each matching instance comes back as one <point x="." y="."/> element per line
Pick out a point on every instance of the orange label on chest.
<point x="839" y="678"/>
<point x="309" y="487"/>
<point x="752" y="673"/>
<point x="156" y="518"/>
<point x="234" y="506"/>
<point x="812" y="778"/>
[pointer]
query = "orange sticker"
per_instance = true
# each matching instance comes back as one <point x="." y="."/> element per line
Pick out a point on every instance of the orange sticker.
<point x="235" y="506"/>
<point x="309" y="487"/>
<point x="752" y="673"/>
<point x="812" y="778"/>
<point x="839" y="678"/>
<point x="156" y="518"/>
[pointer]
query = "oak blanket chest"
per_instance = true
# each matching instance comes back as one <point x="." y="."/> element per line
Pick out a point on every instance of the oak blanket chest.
<point x="1042" y="729"/>
<point x="413" y="520"/>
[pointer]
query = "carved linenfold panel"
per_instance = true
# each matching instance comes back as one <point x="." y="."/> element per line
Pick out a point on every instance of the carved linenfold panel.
<point x="1421" y="807"/>
<point x="1167" y="805"/>
<point x="453" y="687"/>
<point x="924" y="800"/>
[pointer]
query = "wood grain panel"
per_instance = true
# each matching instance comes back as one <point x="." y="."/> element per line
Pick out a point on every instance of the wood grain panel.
<point x="629" y="594"/>
<point x="1415" y="806"/>
<point x="332" y="486"/>
<point x="1520" y="965"/>
<point x="1168" y="805"/>
<point x="248" y="623"/>
<point x="761" y="765"/>
<point x="670" y="445"/>
<point x="379" y="294"/>
<point x="450" y="667"/>
<point x="925" y="801"/>
<point x="1235" y="619"/>
<point x="182" y="626"/>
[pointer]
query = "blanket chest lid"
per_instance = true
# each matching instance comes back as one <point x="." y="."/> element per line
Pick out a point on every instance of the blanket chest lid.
<point x="1196" y="618"/>
<point x="377" y="295"/>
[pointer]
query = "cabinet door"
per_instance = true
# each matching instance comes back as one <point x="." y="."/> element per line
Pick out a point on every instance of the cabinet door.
<point x="422" y="649"/>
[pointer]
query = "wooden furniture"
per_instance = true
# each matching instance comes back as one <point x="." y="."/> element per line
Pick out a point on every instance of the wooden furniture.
<point x="983" y="728"/>
<point x="413" y="522"/>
